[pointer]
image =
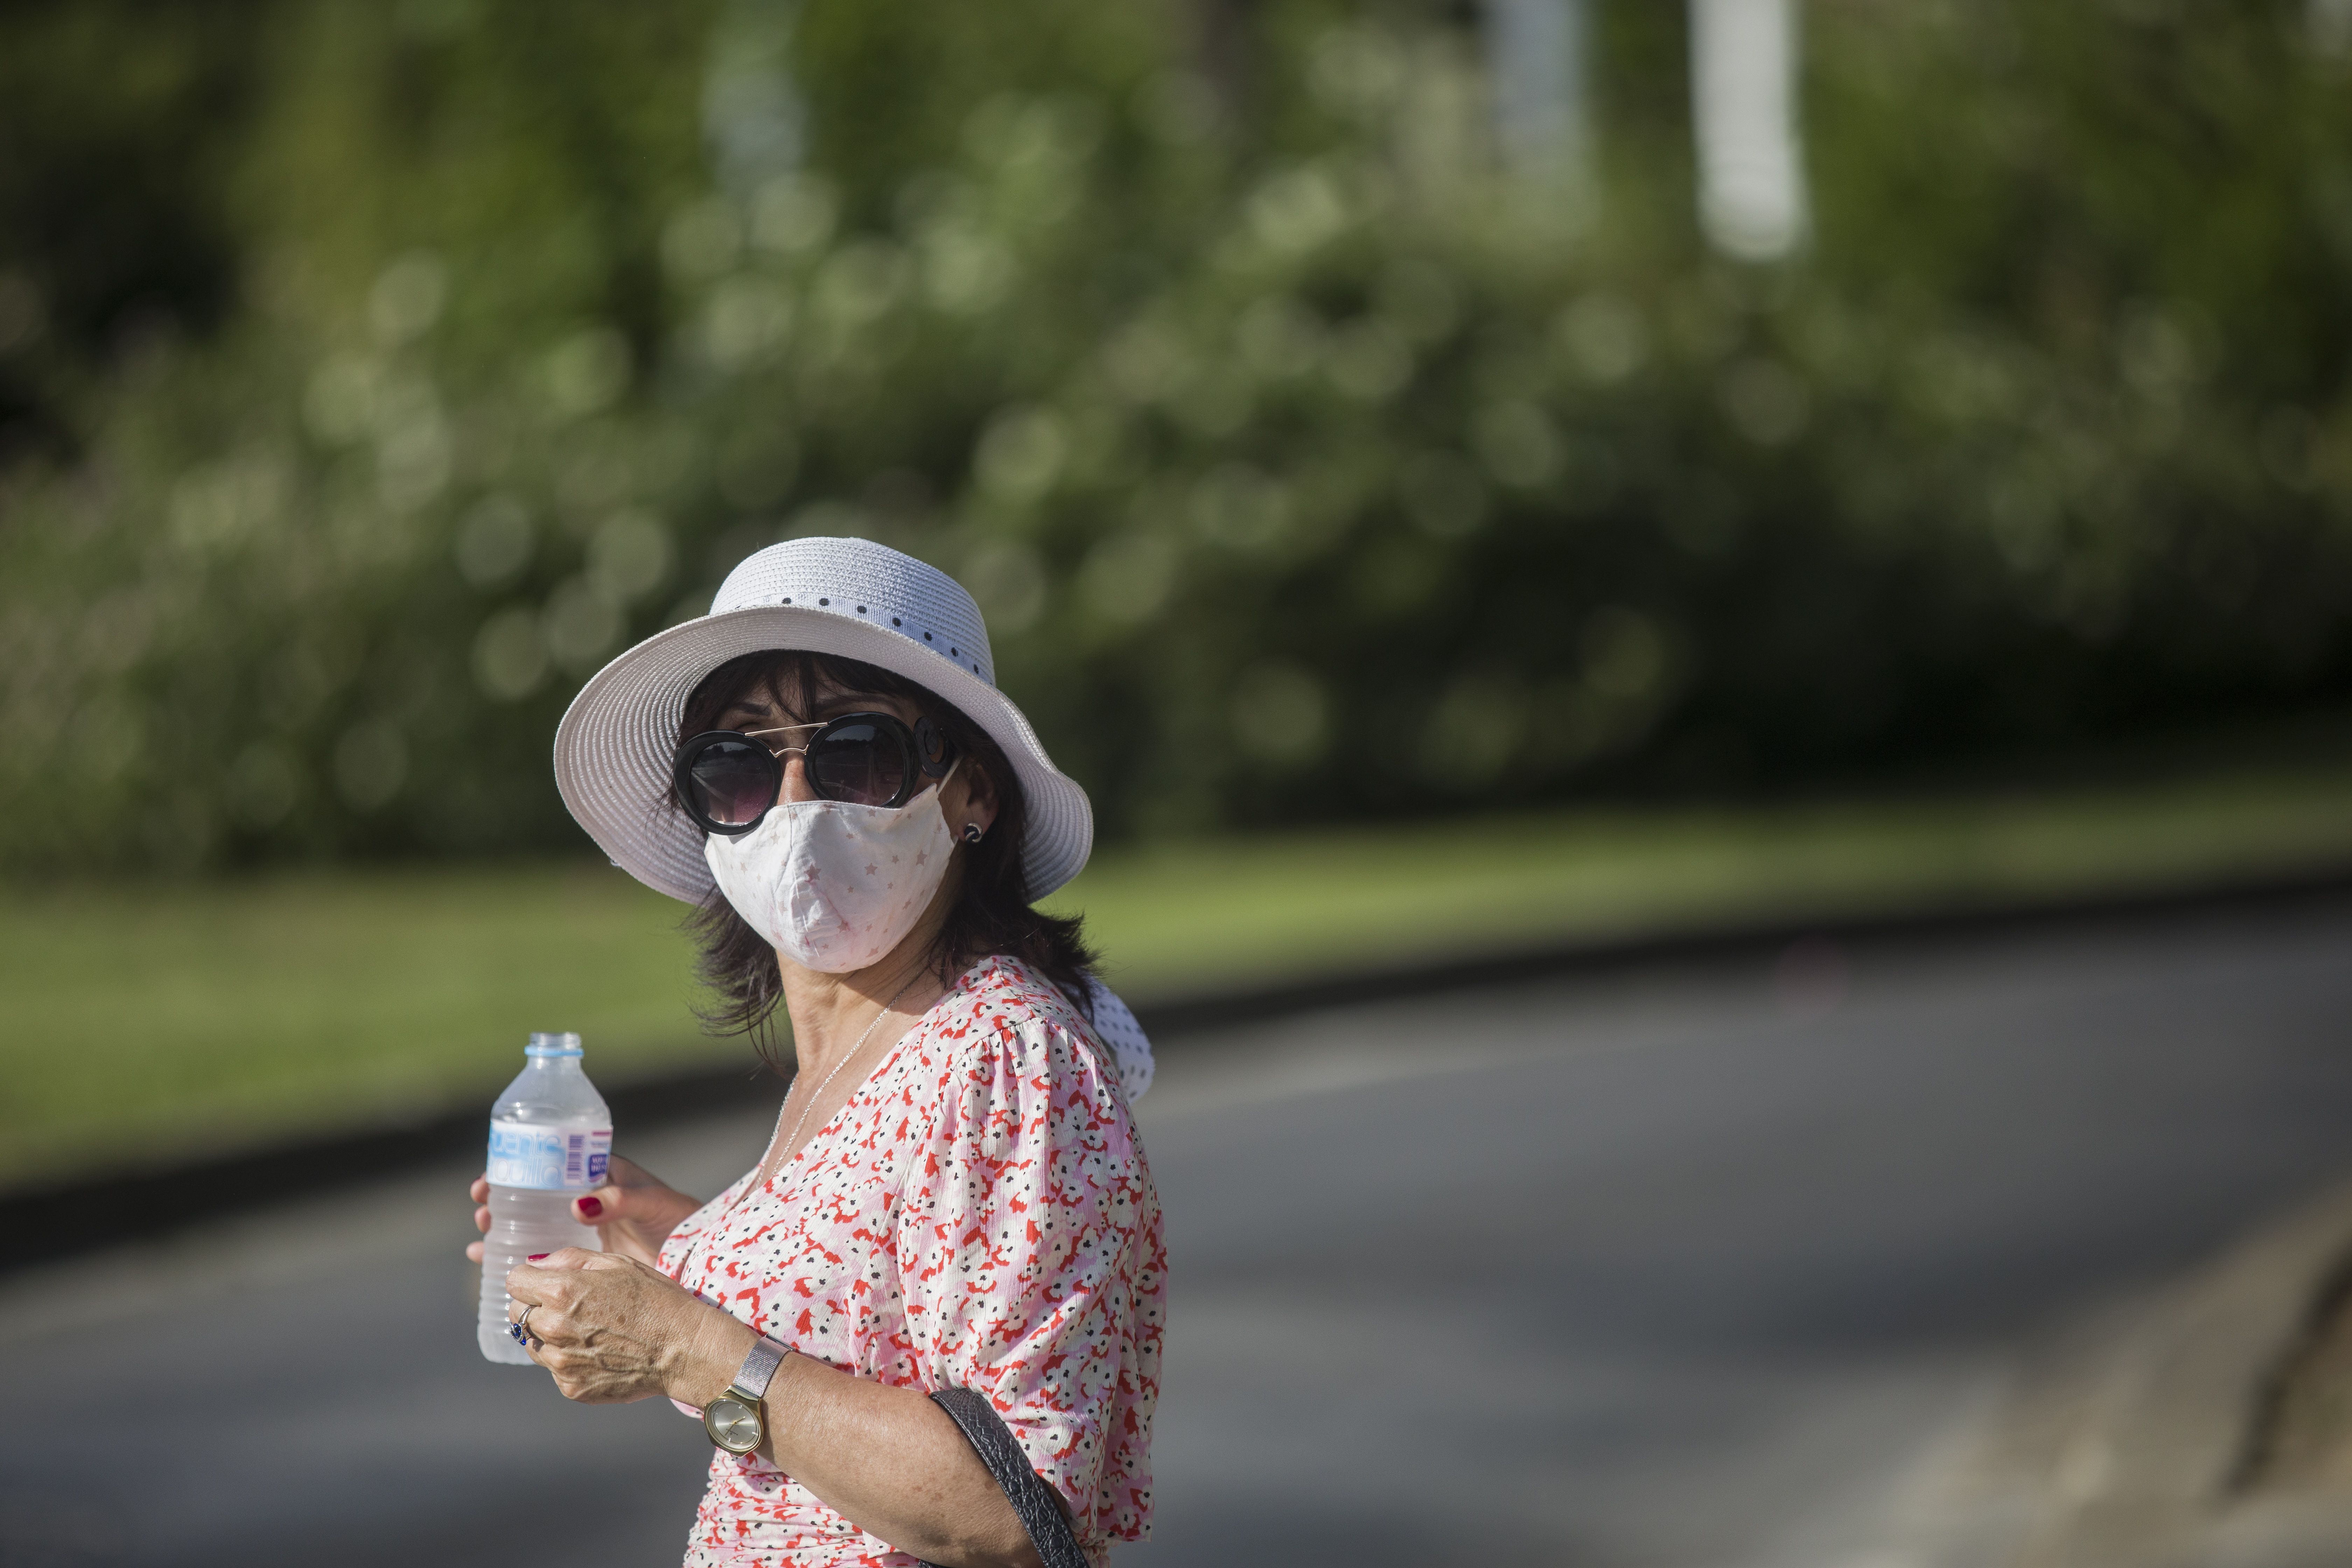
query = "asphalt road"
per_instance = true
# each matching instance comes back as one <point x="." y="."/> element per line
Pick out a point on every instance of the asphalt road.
<point x="1687" y="1267"/>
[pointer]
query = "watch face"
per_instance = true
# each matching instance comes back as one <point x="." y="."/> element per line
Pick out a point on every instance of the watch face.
<point x="732" y="1425"/>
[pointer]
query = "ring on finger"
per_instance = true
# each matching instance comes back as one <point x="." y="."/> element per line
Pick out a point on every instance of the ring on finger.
<point x="521" y="1328"/>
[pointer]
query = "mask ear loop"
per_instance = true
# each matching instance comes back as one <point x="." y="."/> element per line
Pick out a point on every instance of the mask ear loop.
<point x="935" y="790"/>
<point x="972" y="831"/>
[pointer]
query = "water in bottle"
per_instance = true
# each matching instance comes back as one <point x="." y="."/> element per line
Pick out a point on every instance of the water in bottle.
<point x="551" y="1137"/>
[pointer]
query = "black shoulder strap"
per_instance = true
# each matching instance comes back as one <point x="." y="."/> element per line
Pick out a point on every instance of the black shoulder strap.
<point x="1038" y="1504"/>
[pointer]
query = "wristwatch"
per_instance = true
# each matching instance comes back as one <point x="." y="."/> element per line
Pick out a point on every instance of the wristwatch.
<point x="733" y="1419"/>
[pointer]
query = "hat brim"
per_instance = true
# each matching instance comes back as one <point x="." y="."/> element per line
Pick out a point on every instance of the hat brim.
<point x="614" y="748"/>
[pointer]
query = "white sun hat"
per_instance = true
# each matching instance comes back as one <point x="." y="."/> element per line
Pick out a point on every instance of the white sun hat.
<point x="850" y="597"/>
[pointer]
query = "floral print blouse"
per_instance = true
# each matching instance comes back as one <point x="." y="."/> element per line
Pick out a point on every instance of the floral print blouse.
<point x="979" y="1214"/>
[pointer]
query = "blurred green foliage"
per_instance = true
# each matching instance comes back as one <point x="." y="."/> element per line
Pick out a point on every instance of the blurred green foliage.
<point x="373" y="374"/>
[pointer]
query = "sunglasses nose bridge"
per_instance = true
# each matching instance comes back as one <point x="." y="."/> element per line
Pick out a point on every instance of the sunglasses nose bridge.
<point x="794" y="785"/>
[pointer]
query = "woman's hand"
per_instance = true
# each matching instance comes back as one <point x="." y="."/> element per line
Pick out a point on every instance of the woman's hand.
<point x="612" y="1329"/>
<point x="634" y="1212"/>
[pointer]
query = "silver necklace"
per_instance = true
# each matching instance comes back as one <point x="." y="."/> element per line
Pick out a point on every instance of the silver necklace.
<point x="792" y="1143"/>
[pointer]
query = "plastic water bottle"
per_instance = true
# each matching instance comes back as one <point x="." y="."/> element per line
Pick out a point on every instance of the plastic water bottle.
<point x="550" y="1139"/>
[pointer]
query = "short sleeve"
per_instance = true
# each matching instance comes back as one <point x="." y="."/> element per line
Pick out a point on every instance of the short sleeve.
<point x="1027" y="1240"/>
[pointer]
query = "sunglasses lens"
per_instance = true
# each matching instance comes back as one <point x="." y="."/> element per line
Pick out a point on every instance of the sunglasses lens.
<point x="731" y="782"/>
<point x="859" y="762"/>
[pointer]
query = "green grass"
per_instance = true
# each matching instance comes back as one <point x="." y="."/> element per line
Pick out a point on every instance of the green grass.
<point x="1174" y="918"/>
<point x="146" y="1024"/>
<point x="150" y="1023"/>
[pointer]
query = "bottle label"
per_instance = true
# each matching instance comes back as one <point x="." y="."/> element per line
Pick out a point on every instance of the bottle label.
<point x="528" y="1154"/>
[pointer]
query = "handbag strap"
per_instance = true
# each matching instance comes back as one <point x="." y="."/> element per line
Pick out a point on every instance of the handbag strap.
<point x="1037" y="1505"/>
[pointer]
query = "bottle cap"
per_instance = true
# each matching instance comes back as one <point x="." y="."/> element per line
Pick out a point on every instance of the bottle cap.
<point x="552" y="1046"/>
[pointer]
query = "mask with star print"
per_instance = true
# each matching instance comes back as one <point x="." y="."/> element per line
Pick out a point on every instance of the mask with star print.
<point x="834" y="887"/>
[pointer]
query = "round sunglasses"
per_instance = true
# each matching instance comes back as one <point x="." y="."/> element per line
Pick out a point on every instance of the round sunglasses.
<point x="729" y="779"/>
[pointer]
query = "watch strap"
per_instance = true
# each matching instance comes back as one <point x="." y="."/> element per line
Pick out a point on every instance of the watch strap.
<point x="759" y="1369"/>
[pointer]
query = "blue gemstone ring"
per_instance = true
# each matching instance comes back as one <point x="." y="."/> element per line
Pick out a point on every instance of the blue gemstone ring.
<point x="522" y="1335"/>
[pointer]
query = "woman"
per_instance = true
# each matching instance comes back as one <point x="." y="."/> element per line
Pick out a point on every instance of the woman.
<point x="954" y="1196"/>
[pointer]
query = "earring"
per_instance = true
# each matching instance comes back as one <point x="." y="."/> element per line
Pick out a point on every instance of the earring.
<point x="971" y="832"/>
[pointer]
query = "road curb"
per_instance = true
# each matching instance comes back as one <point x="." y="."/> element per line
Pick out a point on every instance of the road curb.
<point x="46" y="1224"/>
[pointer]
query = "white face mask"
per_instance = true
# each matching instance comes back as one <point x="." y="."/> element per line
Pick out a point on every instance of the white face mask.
<point x="832" y="886"/>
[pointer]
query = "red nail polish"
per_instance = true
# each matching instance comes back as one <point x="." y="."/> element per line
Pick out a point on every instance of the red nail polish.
<point x="535" y="1257"/>
<point x="592" y="1207"/>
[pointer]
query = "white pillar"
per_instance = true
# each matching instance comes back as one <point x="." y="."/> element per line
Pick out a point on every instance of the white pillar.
<point x="1536" y="71"/>
<point x="1744" y="107"/>
<point x="750" y="106"/>
<point x="2330" y="25"/>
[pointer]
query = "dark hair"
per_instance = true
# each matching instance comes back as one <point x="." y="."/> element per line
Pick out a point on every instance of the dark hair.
<point x="991" y="912"/>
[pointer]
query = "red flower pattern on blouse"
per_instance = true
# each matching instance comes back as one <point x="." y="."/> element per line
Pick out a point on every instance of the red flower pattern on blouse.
<point x="979" y="1214"/>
